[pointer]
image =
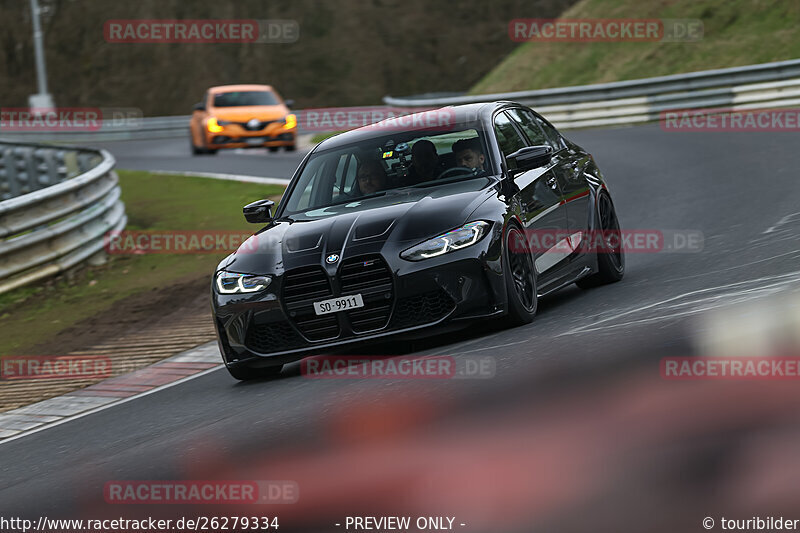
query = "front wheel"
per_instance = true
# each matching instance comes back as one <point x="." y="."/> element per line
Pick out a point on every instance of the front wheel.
<point x="290" y="147"/>
<point x="246" y="373"/>
<point x="610" y="256"/>
<point x="520" y="278"/>
<point x="195" y="149"/>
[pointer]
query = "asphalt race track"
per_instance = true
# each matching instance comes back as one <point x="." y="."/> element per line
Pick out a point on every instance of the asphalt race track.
<point x="174" y="155"/>
<point x="740" y="190"/>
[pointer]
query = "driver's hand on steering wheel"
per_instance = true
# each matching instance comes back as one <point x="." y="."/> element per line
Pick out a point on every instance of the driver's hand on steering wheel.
<point x="454" y="171"/>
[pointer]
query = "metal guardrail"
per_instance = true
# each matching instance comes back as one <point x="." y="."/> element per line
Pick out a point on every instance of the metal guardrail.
<point x="750" y="87"/>
<point x="56" y="205"/>
<point x="625" y="102"/>
<point x="137" y="129"/>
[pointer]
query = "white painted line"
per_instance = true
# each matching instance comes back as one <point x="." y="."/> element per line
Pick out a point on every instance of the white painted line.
<point x="109" y="405"/>
<point x="226" y="177"/>
<point x="66" y="407"/>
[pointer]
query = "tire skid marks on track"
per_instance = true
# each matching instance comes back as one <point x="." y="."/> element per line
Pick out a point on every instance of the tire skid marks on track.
<point x="696" y="301"/>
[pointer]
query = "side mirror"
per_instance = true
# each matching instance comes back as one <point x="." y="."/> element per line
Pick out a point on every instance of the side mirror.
<point x="258" y="212"/>
<point x="199" y="107"/>
<point x="529" y="157"/>
<point x="289" y="103"/>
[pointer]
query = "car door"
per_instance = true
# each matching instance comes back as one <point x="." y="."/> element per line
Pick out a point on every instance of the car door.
<point x="543" y="214"/>
<point x="567" y="167"/>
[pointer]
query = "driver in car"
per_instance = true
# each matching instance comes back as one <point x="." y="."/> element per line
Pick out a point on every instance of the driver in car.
<point x="469" y="154"/>
<point x="370" y="178"/>
<point x="425" y="165"/>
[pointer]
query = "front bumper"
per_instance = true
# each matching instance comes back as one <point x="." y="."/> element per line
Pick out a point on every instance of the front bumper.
<point x="279" y="325"/>
<point x="235" y="136"/>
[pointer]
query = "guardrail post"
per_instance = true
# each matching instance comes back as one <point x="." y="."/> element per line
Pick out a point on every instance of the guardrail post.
<point x="25" y="170"/>
<point x="7" y="174"/>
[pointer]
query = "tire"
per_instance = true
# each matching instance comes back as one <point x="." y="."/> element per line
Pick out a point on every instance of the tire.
<point x="520" y="276"/>
<point x="246" y="373"/>
<point x="211" y="152"/>
<point x="290" y="147"/>
<point x="195" y="149"/>
<point x="610" y="264"/>
<point x="273" y="148"/>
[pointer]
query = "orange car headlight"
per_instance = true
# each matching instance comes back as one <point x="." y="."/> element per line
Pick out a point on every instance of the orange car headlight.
<point x="213" y="126"/>
<point x="291" y="121"/>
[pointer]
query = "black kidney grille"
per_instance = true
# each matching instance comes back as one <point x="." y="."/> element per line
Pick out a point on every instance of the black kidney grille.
<point x="306" y="283"/>
<point x="301" y="288"/>
<point x="272" y="337"/>
<point x="422" y="309"/>
<point x="370" y="277"/>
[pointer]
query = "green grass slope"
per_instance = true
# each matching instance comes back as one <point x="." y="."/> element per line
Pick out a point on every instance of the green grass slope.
<point x="736" y="32"/>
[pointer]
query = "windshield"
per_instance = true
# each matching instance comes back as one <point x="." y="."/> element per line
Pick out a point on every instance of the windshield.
<point x="392" y="165"/>
<point x="243" y="98"/>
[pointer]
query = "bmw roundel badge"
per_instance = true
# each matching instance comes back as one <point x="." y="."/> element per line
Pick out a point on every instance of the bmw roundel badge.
<point x="331" y="259"/>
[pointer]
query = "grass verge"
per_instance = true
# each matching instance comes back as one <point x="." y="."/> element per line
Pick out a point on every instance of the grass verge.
<point x="319" y="137"/>
<point x="34" y="314"/>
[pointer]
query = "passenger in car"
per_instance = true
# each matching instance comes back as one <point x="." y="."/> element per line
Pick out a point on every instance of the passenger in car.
<point x="425" y="164"/>
<point x="469" y="153"/>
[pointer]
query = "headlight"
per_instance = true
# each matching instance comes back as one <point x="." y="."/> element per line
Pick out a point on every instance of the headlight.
<point x="466" y="235"/>
<point x="230" y="283"/>
<point x="291" y="121"/>
<point x="213" y="126"/>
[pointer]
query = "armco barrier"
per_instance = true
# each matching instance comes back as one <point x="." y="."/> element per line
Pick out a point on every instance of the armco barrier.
<point x="56" y="204"/>
<point x="760" y="86"/>
<point x="766" y="85"/>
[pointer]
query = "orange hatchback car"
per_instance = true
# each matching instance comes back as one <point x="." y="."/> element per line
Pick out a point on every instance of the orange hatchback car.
<point x="242" y="116"/>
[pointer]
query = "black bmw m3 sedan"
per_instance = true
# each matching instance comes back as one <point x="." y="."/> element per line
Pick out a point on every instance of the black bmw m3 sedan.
<point x="431" y="220"/>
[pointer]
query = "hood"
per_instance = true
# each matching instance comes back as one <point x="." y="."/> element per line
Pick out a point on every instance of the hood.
<point x="372" y="227"/>
<point x="245" y="113"/>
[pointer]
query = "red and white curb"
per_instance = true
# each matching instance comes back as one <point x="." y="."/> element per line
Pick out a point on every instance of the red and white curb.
<point x="110" y="392"/>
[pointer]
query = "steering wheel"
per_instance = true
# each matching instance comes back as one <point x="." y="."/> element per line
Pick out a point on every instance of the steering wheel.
<point x="455" y="171"/>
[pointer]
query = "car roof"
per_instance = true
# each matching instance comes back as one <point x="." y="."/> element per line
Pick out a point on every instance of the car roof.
<point x="479" y="113"/>
<point x="244" y="87"/>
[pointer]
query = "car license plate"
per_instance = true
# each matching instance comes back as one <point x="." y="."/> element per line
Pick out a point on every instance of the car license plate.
<point x="334" y="305"/>
<point x="254" y="140"/>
